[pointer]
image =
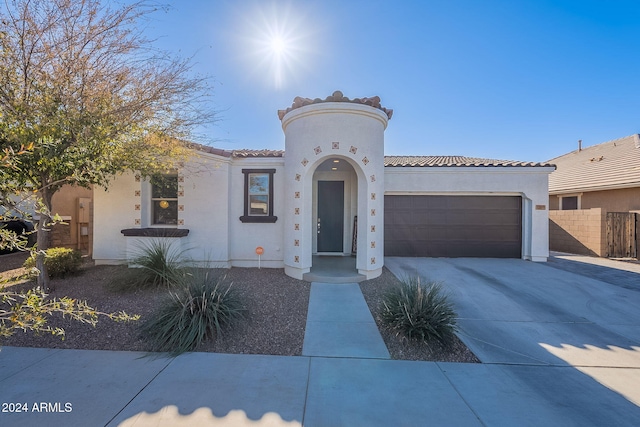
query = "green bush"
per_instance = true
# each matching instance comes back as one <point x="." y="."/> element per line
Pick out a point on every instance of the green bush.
<point x="419" y="311"/>
<point x="154" y="264"/>
<point x="199" y="308"/>
<point x="59" y="261"/>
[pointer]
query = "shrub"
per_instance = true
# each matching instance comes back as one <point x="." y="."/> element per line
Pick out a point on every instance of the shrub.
<point x="199" y="308"/>
<point x="59" y="261"/>
<point x="419" y="311"/>
<point x="155" y="263"/>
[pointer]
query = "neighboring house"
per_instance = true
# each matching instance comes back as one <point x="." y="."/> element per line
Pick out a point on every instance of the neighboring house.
<point x="73" y="205"/>
<point x="588" y="186"/>
<point x="332" y="191"/>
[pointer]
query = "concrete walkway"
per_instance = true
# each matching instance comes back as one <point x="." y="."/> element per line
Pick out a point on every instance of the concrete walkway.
<point x="575" y="364"/>
<point x="339" y="324"/>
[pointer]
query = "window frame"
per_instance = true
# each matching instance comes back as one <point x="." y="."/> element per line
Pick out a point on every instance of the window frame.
<point x="567" y="196"/>
<point x="248" y="217"/>
<point x="153" y="199"/>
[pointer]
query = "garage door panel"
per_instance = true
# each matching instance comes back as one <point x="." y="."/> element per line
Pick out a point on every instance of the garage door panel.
<point x="453" y="226"/>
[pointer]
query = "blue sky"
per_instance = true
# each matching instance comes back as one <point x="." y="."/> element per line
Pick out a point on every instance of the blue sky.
<point x="506" y="79"/>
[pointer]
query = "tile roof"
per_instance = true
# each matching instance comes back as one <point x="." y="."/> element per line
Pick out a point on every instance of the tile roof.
<point x="610" y="165"/>
<point x="337" y="96"/>
<point x="389" y="161"/>
<point x="454" y="161"/>
<point x="258" y="153"/>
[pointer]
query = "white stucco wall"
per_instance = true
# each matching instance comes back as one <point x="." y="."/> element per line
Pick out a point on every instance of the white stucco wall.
<point x="246" y="237"/>
<point x="114" y="210"/>
<point x="203" y="209"/>
<point x="529" y="182"/>
<point x="313" y="134"/>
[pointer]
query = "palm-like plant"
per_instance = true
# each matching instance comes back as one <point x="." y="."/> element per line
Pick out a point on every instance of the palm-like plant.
<point x="419" y="311"/>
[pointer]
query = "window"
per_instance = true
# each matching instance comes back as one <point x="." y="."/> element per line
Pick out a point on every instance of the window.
<point x="164" y="200"/>
<point x="569" y="203"/>
<point x="258" y="195"/>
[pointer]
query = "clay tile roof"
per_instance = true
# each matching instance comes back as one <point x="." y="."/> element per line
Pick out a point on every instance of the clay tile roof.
<point x="258" y="153"/>
<point x="337" y="96"/>
<point x="610" y="165"/>
<point x="208" y="149"/>
<point x="454" y="161"/>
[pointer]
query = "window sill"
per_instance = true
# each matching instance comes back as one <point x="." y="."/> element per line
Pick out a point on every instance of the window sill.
<point x="259" y="219"/>
<point x="155" y="232"/>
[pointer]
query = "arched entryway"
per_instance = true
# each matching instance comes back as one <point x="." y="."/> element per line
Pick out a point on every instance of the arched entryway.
<point x="334" y="214"/>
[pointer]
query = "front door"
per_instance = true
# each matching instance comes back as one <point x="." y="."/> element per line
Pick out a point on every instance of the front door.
<point x="330" y="223"/>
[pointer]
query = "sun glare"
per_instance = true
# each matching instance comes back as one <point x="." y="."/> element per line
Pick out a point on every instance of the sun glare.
<point x="279" y="43"/>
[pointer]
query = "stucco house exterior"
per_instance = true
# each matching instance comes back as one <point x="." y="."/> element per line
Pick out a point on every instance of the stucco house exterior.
<point x="331" y="191"/>
<point x="589" y="185"/>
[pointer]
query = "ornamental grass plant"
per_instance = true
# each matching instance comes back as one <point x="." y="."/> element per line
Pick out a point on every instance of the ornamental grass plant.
<point x="419" y="310"/>
<point x="199" y="307"/>
<point x="154" y="263"/>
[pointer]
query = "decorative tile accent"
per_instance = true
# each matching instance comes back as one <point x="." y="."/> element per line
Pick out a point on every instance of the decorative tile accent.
<point x="297" y="195"/>
<point x="365" y="160"/>
<point x="181" y="178"/>
<point x="137" y="207"/>
<point x="373" y="245"/>
<point x="296" y="211"/>
<point x="373" y="212"/>
<point x="137" y="178"/>
<point x="296" y="227"/>
<point x="180" y="193"/>
<point x="296" y="242"/>
<point x="373" y="260"/>
<point x="137" y="193"/>
<point x="335" y="145"/>
<point x="304" y="162"/>
<point x="373" y="228"/>
<point x="373" y="178"/>
<point x="181" y="222"/>
<point x="317" y="150"/>
<point x="373" y="196"/>
<point x="298" y="176"/>
<point x="181" y="208"/>
<point x="296" y="259"/>
<point x="137" y="221"/>
<point x="353" y="150"/>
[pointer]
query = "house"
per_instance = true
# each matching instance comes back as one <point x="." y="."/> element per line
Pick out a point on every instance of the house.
<point x="332" y="191"/>
<point x="587" y="191"/>
<point x="72" y="204"/>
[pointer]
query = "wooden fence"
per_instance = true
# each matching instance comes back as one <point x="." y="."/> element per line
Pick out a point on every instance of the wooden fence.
<point x="622" y="239"/>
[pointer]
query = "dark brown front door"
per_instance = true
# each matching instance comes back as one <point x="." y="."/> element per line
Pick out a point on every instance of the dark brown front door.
<point x="453" y="226"/>
<point x="330" y="223"/>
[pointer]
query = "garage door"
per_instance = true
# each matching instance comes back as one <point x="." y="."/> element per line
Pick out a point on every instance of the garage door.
<point x="453" y="226"/>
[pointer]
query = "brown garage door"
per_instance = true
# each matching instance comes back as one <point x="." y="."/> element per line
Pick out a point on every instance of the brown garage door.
<point x="453" y="226"/>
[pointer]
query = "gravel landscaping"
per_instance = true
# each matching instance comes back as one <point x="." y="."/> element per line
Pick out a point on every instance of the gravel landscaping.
<point x="274" y="323"/>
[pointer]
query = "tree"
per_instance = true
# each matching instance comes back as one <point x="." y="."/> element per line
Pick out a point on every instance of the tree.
<point x="28" y="311"/>
<point x="87" y="93"/>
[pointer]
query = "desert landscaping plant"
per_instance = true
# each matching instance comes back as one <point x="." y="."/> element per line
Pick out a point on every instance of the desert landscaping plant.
<point x="59" y="261"/>
<point x="154" y="264"/>
<point x="200" y="307"/>
<point x="419" y="310"/>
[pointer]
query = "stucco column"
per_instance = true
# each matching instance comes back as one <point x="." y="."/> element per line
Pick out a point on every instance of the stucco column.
<point x="314" y="132"/>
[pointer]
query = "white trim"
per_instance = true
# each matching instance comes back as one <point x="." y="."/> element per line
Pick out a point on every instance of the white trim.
<point x="563" y="196"/>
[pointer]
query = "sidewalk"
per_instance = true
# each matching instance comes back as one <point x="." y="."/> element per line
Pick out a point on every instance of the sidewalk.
<point x="328" y="386"/>
<point x="99" y="388"/>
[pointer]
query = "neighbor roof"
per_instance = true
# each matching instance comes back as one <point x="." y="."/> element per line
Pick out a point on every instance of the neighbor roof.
<point x="610" y="165"/>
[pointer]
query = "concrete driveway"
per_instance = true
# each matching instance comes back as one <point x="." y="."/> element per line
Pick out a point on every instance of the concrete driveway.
<point x="515" y="312"/>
